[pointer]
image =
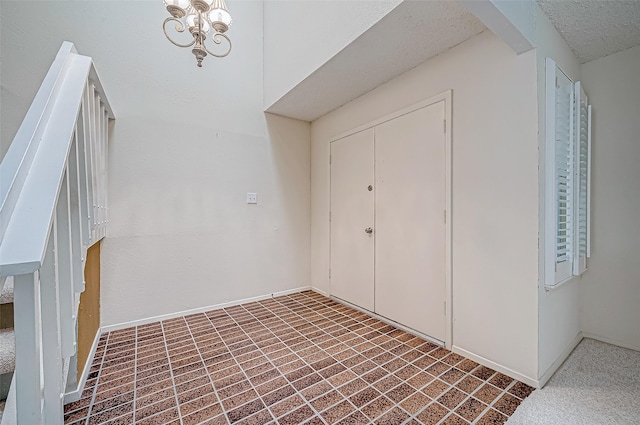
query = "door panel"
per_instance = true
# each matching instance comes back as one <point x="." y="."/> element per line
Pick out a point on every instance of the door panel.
<point x="352" y="211"/>
<point x="410" y="228"/>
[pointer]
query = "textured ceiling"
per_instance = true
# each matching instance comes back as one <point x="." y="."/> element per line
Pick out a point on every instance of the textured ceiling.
<point x="595" y="28"/>
<point x="409" y="35"/>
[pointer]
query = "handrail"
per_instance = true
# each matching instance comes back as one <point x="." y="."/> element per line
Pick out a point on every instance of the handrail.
<point x="53" y="206"/>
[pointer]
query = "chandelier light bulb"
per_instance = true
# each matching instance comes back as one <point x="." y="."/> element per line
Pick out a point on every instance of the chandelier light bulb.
<point x="193" y="20"/>
<point x="220" y="16"/>
<point x="177" y="8"/>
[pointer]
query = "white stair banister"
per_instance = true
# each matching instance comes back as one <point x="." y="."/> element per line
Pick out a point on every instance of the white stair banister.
<point x="52" y="207"/>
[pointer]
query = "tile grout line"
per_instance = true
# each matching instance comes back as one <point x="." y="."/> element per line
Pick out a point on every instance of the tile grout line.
<point x="369" y="385"/>
<point x="116" y="341"/>
<point x="449" y="386"/>
<point x="135" y="373"/>
<point x="204" y="365"/>
<point x="305" y="311"/>
<point x="272" y="364"/>
<point x="173" y="382"/>
<point x="95" y="388"/>
<point x="468" y="396"/>
<point x="308" y="402"/>
<point x="297" y="392"/>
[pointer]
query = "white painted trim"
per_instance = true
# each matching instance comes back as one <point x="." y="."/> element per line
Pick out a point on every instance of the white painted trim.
<point x="320" y="291"/>
<point x="611" y="341"/>
<point x="495" y="366"/>
<point x="444" y="96"/>
<point x="560" y="360"/>
<point x="448" y="256"/>
<point x="75" y="395"/>
<point x="550" y="225"/>
<point x="388" y="321"/>
<point x="139" y="322"/>
<point x="72" y="396"/>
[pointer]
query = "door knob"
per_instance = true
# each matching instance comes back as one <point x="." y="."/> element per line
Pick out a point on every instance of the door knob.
<point x="368" y="230"/>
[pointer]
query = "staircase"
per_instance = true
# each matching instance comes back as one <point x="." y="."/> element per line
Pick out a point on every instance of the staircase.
<point x="53" y="206"/>
<point x="7" y="341"/>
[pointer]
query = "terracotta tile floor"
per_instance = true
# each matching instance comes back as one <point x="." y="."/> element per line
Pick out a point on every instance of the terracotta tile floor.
<point x="295" y="359"/>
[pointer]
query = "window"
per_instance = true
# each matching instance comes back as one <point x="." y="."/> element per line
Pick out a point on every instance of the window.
<point x="568" y="177"/>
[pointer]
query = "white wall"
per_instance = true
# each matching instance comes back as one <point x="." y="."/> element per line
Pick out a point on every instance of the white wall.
<point x="559" y="309"/>
<point x="187" y="146"/>
<point x="495" y="191"/>
<point x="328" y="26"/>
<point x="611" y="286"/>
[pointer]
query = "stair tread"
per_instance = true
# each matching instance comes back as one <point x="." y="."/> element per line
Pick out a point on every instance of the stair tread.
<point x="7" y="351"/>
<point x="6" y="295"/>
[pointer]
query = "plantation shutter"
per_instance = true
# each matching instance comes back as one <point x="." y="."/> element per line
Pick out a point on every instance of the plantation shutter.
<point x="568" y="177"/>
<point x="564" y="177"/>
<point x="582" y="177"/>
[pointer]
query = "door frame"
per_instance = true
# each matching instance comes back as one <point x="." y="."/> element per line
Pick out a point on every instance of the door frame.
<point x="445" y="97"/>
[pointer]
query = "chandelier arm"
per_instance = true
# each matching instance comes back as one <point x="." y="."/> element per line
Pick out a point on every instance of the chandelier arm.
<point x="180" y="27"/>
<point x="217" y="39"/>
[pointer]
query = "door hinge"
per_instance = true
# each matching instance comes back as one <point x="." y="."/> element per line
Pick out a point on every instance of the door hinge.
<point x="329" y="159"/>
<point x="329" y="272"/>
<point x="329" y="215"/>
<point x="445" y="125"/>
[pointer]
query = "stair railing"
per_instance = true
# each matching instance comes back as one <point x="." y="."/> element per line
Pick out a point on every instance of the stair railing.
<point x="53" y="206"/>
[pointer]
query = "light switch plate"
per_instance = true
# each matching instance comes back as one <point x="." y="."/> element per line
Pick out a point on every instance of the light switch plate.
<point x="252" y="198"/>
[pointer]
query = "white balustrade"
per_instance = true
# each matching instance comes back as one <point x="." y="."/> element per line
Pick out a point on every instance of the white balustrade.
<point x="53" y="206"/>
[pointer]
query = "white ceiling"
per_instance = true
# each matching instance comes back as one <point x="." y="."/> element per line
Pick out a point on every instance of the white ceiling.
<point x="595" y="28"/>
<point x="409" y="35"/>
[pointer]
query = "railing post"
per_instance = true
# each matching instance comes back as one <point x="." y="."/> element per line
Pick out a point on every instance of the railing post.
<point x="28" y="331"/>
<point x="76" y="212"/>
<point x="51" y="350"/>
<point x="88" y="159"/>
<point x="83" y="190"/>
<point x="64" y="256"/>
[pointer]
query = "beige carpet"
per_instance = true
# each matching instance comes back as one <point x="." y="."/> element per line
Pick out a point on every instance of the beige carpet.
<point x="7" y="351"/>
<point x="599" y="384"/>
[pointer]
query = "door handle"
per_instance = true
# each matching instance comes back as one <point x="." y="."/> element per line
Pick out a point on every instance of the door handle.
<point x="368" y="230"/>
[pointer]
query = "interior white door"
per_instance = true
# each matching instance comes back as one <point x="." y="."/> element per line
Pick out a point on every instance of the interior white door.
<point x="410" y="227"/>
<point x="352" y="215"/>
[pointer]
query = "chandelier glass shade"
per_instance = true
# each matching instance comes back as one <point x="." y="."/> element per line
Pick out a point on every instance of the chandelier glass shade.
<point x="205" y="20"/>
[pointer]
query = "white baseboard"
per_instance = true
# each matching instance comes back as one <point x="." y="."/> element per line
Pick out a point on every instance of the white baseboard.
<point x="320" y="291"/>
<point x="388" y="321"/>
<point x="558" y="362"/>
<point x="495" y="366"/>
<point x="198" y="310"/>
<point x="74" y="395"/>
<point x="611" y="341"/>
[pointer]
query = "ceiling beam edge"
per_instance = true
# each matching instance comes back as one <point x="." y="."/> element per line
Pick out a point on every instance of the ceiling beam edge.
<point x="512" y="21"/>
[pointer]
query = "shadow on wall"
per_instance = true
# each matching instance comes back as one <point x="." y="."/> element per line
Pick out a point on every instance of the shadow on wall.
<point x="290" y="142"/>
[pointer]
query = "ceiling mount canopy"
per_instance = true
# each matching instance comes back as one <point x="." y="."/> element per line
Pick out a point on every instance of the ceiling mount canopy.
<point x="202" y="18"/>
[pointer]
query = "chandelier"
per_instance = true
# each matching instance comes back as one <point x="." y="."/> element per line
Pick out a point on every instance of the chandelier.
<point x="201" y="17"/>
